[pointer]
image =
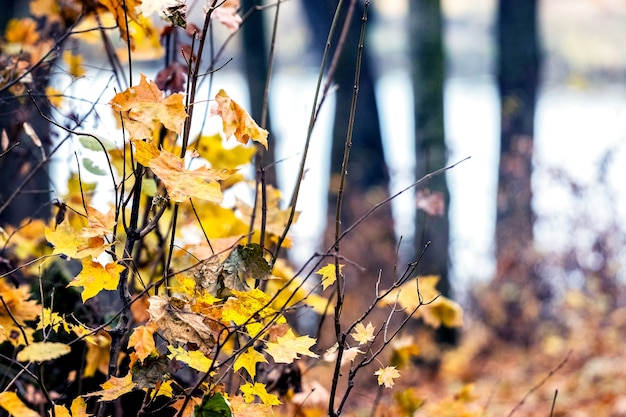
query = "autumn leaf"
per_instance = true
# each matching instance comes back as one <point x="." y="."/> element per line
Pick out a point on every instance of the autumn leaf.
<point x="77" y="409"/>
<point x="363" y="334"/>
<point x="249" y="391"/>
<point x="74" y="64"/>
<point x="21" y="309"/>
<point x="142" y="340"/>
<point x="226" y="14"/>
<point x="42" y="351"/>
<point x="287" y="348"/>
<point x="52" y="319"/>
<point x="181" y="183"/>
<point x="195" y="359"/>
<point x="54" y="96"/>
<point x="98" y="354"/>
<point x="146" y="105"/>
<point x="403" y="350"/>
<point x="421" y="294"/>
<point x="100" y="224"/>
<point x="245" y="305"/>
<point x="329" y="274"/>
<point x="180" y="324"/>
<point x="249" y="360"/>
<point x="212" y="149"/>
<point x="387" y="375"/>
<point x="114" y="388"/>
<point x="94" y="278"/>
<point x="121" y="10"/>
<point x="14" y="406"/>
<point x="236" y="121"/>
<point x="22" y="31"/>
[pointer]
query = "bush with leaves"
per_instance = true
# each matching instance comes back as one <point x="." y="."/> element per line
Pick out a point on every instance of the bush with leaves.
<point x="171" y="301"/>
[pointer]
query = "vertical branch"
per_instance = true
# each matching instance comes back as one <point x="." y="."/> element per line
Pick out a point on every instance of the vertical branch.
<point x="314" y="112"/>
<point x="344" y="166"/>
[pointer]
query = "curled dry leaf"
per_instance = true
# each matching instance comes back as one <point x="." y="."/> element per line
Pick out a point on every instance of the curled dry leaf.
<point x="181" y="324"/>
<point x="236" y="121"/>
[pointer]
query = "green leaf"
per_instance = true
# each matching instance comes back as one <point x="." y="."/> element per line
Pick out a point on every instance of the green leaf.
<point x="93" y="168"/>
<point x="213" y="405"/>
<point x="91" y="143"/>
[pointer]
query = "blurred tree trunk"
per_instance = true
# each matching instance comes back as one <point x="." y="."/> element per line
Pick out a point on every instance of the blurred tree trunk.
<point x="372" y="244"/>
<point x="428" y="76"/>
<point x="256" y="55"/>
<point x="15" y="110"/>
<point x="518" y="78"/>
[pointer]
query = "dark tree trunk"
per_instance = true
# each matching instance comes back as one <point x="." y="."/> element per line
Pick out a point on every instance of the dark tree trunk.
<point x="366" y="167"/>
<point x="518" y="78"/>
<point x="256" y="55"/>
<point x="428" y="76"/>
<point x="372" y="244"/>
<point x="33" y="198"/>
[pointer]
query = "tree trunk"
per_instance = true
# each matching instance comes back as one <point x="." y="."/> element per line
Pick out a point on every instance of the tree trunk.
<point x="518" y="78"/>
<point x="256" y="56"/>
<point x="428" y="82"/>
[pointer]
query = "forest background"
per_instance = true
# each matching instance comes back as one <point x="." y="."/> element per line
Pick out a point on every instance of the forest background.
<point x="530" y="293"/>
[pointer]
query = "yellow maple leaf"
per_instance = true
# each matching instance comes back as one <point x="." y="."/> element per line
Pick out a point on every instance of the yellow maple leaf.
<point x="387" y="375"/>
<point x="246" y="304"/>
<point x="236" y="121"/>
<point x="195" y="359"/>
<point x="52" y="319"/>
<point x="145" y="104"/>
<point x="212" y="149"/>
<point x="114" y="388"/>
<point x="145" y="151"/>
<point x="94" y="278"/>
<point x="363" y="334"/>
<point x="42" y="351"/>
<point x="74" y="64"/>
<point x="434" y="308"/>
<point x="241" y="408"/>
<point x="77" y="409"/>
<point x="287" y="348"/>
<point x="65" y="240"/>
<point x="142" y="340"/>
<point x="249" y="391"/>
<point x="329" y="274"/>
<point x="98" y="354"/>
<point x="183" y="184"/>
<point x="14" y="406"/>
<point x="248" y="360"/>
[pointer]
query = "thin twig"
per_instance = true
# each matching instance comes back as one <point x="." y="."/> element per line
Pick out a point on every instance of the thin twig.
<point x="540" y="383"/>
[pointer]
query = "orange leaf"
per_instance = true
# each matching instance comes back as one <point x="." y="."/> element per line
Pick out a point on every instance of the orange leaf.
<point x="236" y="121"/>
<point x="146" y="105"/>
<point x="94" y="278"/>
<point x="182" y="184"/>
<point x="122" y="9"/>
<point x="114" y="388"/>
<point x="142" y="340"/>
